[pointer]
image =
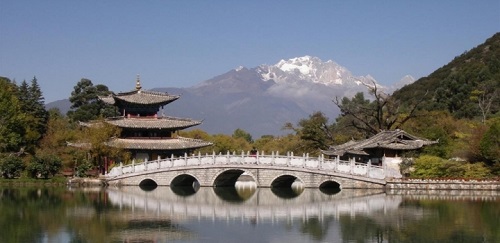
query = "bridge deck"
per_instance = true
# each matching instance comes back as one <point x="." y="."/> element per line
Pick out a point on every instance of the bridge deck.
<point x="313" y="165"/>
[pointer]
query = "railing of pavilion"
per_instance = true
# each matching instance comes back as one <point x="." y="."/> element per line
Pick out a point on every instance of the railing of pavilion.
<point x="258" y="159"/>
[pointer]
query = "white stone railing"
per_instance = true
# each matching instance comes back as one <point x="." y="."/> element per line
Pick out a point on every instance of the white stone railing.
<point x="259" y="159"/>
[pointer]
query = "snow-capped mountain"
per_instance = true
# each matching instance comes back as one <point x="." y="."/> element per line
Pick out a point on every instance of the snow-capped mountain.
<point x="262" y="99"/>
<point x="311" y="69"/>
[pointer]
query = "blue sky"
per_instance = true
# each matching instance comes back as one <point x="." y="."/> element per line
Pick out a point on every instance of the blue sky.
<point x="182" y="43"/>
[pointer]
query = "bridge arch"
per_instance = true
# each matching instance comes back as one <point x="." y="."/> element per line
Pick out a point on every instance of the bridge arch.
<point x="185" y="180"/>
<point x="229" y="177"/>
<point x="287" y="180"/>
<point x="330" y="187"/>
<point x="329" y="183"/>
<point x="148" y="184"/>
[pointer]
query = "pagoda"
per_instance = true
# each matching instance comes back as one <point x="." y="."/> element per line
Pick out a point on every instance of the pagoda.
<point x="144" y="133"/>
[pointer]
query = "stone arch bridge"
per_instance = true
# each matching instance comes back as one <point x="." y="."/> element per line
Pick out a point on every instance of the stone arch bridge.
<point x="260" y="170"/>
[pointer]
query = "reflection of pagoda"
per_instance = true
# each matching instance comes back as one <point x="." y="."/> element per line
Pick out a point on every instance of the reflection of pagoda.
<point x="145" y="134"/>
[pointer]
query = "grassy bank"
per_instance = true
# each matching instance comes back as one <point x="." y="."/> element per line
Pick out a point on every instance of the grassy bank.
<point x="26" y="181"/>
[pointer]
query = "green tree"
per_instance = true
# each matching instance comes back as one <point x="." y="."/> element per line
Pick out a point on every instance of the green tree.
<point x="428" y="166"/>
<point x="35" y="116"/>
<point x="281" y="144"/>
<point x="490" y="143"/>
<point x="240" y="133"/>
<point x="316" y="132"/>
<point x="224" y="143"/>
<point x="12" y="119"/>
<point x="85" y="105"/>
<point x="97" y="136"/>
<point x="59" y="131"/>
<point x="11" y="166"/>
<point x="44" y="165"/>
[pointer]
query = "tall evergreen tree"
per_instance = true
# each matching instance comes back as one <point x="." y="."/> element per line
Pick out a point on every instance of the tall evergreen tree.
<point x="33" y="107"/>
<point x="37" y="102"/>
<point x="85" y="103"/>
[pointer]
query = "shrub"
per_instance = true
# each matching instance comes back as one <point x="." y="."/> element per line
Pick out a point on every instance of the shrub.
<point x="44" y="166"/>
<point x="490" y="143"/>
<point x="428" y="166"/>
<point x="82" y="168"/>
<point x="477" y="171"/>
<point x="434" y="167"/>
<point x="11" y="166"/>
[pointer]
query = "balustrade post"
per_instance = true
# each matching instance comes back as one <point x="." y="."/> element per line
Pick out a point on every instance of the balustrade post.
<point x="185" y="159"/>
<point x="213" y="156"/>
<point x="368" y="167"/>
<point x="242" y="157"/>
<point x="288" y="158"/>
<point x="121" y="168"/>
<point x="133" y="165"/>
<point x="351" y="161"/>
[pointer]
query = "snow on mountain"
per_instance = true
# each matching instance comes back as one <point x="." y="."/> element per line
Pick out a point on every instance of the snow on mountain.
<point x="261" y="99"/>
<point x="408" y="79"/>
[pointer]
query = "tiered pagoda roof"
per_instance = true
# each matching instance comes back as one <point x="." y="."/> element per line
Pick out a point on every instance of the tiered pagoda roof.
<point x="158" y="144"/>
<point x="153" y="123"/>
<point x="141" y="97"/>
<point x="142" y="128"/>
<point x="395" y="140"/>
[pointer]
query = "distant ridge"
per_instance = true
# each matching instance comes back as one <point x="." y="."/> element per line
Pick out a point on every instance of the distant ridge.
<point x="262" y="99"/>
<point x="451" y="87"/>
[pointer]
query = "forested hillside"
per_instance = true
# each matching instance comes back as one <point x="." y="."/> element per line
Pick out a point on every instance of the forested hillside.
<point x="467" y="87"/>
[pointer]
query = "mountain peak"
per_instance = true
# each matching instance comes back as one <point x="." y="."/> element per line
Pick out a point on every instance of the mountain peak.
<point x="304" y="65"/>
<point x="311" y="69"/>
<point x="239" y="68"/>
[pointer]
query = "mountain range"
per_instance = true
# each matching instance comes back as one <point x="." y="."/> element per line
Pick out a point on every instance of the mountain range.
<point x="262" y="99"/>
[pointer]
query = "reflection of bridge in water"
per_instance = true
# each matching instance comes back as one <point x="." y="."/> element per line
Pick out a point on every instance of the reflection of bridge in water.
<point x="254" y="205"/>
<point x="264" y="170"/>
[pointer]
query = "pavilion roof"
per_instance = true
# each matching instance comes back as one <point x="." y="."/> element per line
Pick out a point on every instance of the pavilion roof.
<point x="143" y="97"/>
<point x="394" y="139"/>
<point x="158" y="144"/>
<point x="153" y="122"/>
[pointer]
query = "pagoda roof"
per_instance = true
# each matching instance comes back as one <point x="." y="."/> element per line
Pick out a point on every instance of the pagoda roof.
<point x="153" y="122"/>
<point x="395" y="140"/>
<point x="158" y="144"/>
<point x="142" y="97"/>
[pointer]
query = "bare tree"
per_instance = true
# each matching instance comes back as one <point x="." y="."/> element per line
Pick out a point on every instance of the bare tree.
<point x="371" y="117"/>
<point x="485" y="96"/>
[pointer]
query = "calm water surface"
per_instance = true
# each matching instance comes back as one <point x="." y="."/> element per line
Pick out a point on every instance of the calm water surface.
<point x="131" y="214"/>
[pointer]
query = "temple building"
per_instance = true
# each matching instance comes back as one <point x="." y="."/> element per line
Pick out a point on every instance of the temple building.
<point x="386" y="148"/>
<point x="147" y="135"/>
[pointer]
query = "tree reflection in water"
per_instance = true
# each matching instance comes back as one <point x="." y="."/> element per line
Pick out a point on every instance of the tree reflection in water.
<point x="164" y="214"/>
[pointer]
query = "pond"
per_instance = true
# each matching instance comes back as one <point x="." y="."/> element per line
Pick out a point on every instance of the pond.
<point x="164" y="214"/>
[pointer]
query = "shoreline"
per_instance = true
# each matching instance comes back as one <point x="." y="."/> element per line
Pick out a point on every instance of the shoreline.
<point x="391" y="185"/>
<point x="442" y="185"/>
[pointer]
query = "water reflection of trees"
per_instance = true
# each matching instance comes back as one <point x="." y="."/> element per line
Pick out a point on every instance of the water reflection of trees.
<point x="33" y="214"/>
<point x="426" y="221"/>
<point x="46" y="214"/>
<point x="26" y="214"/>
